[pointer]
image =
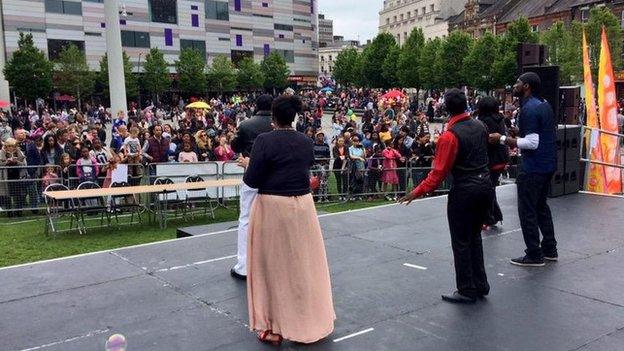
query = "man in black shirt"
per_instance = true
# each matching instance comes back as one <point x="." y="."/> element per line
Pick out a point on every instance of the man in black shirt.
<point x="242" y="144"/>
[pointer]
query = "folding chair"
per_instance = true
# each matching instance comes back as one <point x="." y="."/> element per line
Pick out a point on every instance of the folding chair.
<point x="56" y="209"/>
<point x="198" y="195"/>
<point x="92" y="205"/>
<point x="164" y="199"/>
<point x="125" y="203"/>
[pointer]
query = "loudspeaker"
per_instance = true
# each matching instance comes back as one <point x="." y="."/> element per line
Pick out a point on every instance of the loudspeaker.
<point x="530" y="54"/>
<point x="569" y="115"/>
<point x="567" y="178"/>
<point x="570" y="96"/>
<point x="549" y="75"/>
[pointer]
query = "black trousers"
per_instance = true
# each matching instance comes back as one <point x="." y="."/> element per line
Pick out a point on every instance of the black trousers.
<point x="535" y="214"/>
<point x="495" y="214"/>
<point x="468" y="206"/>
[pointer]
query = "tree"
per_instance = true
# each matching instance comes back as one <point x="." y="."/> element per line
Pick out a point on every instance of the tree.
<point x="221" y="74"/>
<point x="564" y="50"/>
<point x="28" y="71"/>
<point x="505" y="67"/>
<point x="345" y="67"/>
<point x="72" y="73"/>
<point x="191" y="67"/>
<point x="249" y="75"/>
<point x="132" y="87"/>
<point x="373" y="59"/>
<point x="408" y="63"/>
<point x="452" y="53"/>
<point x="156" y="77"/>
<point x="276" y="71"/>
<point x="390" y="67"/>
<point x="598" y="17"/>
<point x="427" y="67"/>
<point x="479" y="62"/>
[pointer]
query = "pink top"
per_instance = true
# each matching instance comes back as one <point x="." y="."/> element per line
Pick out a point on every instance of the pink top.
<point x="187" y="157"/>
<point x="222" y="154"/>
<point x="390" y="156"/>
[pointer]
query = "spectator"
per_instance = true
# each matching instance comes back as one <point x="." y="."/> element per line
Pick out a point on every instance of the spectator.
<point x="224" y="152"/>
<point x="320" y="168"/>
<point x="204" y="146"/>
<point x="389" y="175"/>
<point x="157" y="147"/>
<point x="87" y="168"/>
<point x="422" y="156"/>
<point x="50" y="177"/>
<point x="340" y="167"/>
<point x="357" y="155"/>
<point x="12" y="161"/>
<point x="51" y="152"/>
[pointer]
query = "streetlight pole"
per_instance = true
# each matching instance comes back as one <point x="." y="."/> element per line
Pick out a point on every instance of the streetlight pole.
<point x="138" y="73"/>
<point x="116" y="79"/>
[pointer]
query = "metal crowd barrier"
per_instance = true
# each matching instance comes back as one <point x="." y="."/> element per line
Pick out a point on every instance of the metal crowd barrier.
<point x="21" y="187"/>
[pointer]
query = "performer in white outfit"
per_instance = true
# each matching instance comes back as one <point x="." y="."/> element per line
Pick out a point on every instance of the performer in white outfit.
<point x="242" y="144"/>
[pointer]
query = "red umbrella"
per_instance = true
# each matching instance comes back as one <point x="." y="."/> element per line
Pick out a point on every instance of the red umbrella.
<point x="4" y="104"/>
<point x="393" y="94"/>
<point x="65" y="98"/>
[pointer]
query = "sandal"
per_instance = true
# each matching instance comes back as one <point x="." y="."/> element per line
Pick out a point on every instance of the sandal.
<point x="264" y="337"/>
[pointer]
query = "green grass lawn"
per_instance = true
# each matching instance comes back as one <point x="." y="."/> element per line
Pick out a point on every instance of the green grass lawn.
<point x="22" y="240"/>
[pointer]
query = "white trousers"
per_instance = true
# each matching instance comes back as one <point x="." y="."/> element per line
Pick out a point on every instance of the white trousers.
<point x="247" y="197"/>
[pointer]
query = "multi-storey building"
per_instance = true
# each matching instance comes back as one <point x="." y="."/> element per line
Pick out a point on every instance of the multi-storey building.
<point x="328" y="54"/>
<point x="326" y="31"/>
<point x="400" y="17"/>
<point x="235" y="28"/>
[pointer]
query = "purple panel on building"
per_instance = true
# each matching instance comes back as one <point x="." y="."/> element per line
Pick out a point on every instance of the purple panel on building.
<point x="239" y="40"/>
<point x="122" y="21"/>
<point x="312" y="6"/>
<point x="195" y="20"/>
<point x="237" y="5"/>
<point x="267" y="49"/>
<point x="265" y="4"/>
<point x="103" y="25"/>
<point x="193" y="7"/>
<point x="281" y="36"/>
<point x="168" y="37"/>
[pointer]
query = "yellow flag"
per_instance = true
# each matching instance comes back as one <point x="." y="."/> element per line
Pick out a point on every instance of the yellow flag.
<point x="607" y="103"/>
<point x="596" y="175"/>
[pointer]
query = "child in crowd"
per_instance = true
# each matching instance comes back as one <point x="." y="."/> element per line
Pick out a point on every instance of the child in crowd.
<point x="390" y="176"/>
<point x="87" y="168"/>
<point x="132" y="149"/>
<point x="50" y="177"/>
<point x="187" y="154"/>
<point x="110" y="168"/>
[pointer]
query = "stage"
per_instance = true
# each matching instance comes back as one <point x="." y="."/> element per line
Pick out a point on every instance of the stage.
<point x="389" y="266"/>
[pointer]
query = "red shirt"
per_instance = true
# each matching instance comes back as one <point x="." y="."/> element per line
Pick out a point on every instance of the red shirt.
<point x="445" y="154"/>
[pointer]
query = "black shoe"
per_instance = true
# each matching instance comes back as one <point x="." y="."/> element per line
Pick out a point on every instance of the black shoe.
<point x="551" y="257"/>
<point x="526" y="261"/>
<point x="456" y="297"/>
<point x="235" y="275"/>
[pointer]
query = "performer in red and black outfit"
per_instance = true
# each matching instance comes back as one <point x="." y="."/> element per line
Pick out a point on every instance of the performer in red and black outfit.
<point x="462" y="152"/>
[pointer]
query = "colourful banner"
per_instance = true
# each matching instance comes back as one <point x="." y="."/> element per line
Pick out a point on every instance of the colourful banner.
<point x="607" y="103"/>
<point x="596" y="175"/>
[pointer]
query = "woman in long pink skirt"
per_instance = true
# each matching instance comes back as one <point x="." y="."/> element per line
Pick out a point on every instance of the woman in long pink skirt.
<point x="288" y="286"/>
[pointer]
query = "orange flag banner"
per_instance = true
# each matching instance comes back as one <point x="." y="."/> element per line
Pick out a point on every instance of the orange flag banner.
<point x="607" y="103"/>
<point x="596" y="175"/>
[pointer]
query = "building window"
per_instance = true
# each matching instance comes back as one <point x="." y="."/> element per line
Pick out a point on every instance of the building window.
<point x="64" y="7"/>
<point x="534" y="28"/>
<point x="432" y="7"/>
<point x="424" y="9"/>
<point x="198" y="45"/>
<point x="284" y="27"/>
<point x="237" y="55"/>
<point x="330" y="57"/>
<point x="584" y="14"/>
<point x="55" y="46"/>
<point x="168" y="37"/>
<point x="387" y="20"/>
<point x="237" y="5"/>
<point x="217" y="10"/>
<point x="239" y="40"/>
<point x="195" y="20"/>
<point x="267" y="50"/>
<point x="399" y="38"/>
<point x="401" y="17"/>
<point x="409" y="14"/>
<point x="135" y="39"/>
<point x="288" y="55"/>
<point x="164" y="11"/>
<point x="394" y="19"/>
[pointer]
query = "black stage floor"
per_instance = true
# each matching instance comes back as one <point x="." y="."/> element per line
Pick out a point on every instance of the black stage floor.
<point x="389" y="266"/>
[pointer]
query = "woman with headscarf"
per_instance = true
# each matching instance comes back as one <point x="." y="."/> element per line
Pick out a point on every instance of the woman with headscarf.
<point x="288" y="286"/>
<point x="498" y="155"/>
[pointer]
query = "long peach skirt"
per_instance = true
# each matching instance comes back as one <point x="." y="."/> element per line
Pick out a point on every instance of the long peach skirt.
<point x="288" y="286"/>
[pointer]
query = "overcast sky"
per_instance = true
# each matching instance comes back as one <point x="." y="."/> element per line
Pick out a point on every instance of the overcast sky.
<point x="353" y="18"/>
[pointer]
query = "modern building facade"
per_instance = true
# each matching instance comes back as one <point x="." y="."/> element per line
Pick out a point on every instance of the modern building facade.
<point x="235" y="28"/>
<point x="326" y="31"/>
<point x="400" y="17"/>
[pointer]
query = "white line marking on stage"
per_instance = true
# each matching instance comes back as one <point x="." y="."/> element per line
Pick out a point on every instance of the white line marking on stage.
<point x="502" y="234"/>
<point x="209" y="234"/>
<point x="195" y="264"/>
<point x="415" y="266"/>
<point x="354" y="335"/>
<point x="501" y="274"/>
<point x="90" y="334"/>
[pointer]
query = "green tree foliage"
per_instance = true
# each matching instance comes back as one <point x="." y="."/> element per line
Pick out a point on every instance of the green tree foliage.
<point x="28" y="71"/>
<point x="156" y="77"/>
<point x="221" y="74"/>
<point x="565" y="51"/>
<point x="72" y="73"/>
<point x="427" y="67"/>
<point x="249" y="75"/>
<point x="479" y="62"/>
<point x="191" y="68"/>
<point x="390" y="67"/>
<point x="275" y="70"/>
<point x="373" y="59"/>
<point x="407" y="66"/>
<point x="132" y="87"/>
<point x="598" y="17"/>
<point x="452" y="53"/>
<point x="346" y="67"/>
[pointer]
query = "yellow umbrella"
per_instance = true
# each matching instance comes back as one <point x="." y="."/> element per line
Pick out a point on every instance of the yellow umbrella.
<point x="198" y="104"/>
